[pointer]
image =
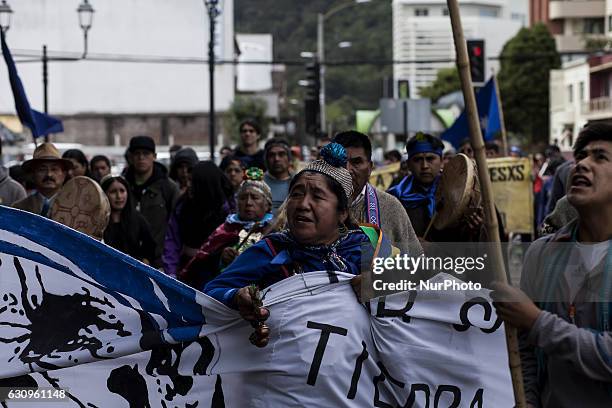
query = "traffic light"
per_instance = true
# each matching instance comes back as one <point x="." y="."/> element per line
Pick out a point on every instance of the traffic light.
<point x="312" y="108"/>
<point x="476" y="56"/>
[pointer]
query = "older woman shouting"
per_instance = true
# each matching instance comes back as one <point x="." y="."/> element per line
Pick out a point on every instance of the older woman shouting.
<point x="320" y="236"/>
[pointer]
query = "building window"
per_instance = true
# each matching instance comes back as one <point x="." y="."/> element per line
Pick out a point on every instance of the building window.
<point x="421" y="12"/>
<point x="519" y="17"/>
<point x="609" y="23"/>
<point x="570" y="93"/>
<point x="445" y="12"/>
<point x="594" y="26"/>
<point x="581" y="91"/>
<point x="488" y="12"/>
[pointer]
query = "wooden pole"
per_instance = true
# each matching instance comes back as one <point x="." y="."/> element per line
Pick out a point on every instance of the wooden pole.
<point x="501" y="117"/>
<point x="495" y="257"/>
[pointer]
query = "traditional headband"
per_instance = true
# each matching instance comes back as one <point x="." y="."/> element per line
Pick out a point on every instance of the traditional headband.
<point x="423" y="145"/>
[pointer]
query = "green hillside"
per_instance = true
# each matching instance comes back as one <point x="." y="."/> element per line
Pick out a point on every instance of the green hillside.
<point x="293" y="26"/>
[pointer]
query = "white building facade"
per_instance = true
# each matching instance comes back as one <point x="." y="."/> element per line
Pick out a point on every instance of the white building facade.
<point x="146" y="57"/>
<point x="422" y="34"/>
<point x="574" y="23"/>
<point x="569" y="92"/>
<point x="580" y="93"/>
<point x="254" y="77"/>
<point x="581" y="90"/>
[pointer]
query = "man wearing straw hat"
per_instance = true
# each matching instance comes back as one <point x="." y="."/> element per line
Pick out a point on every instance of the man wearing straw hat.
<point x="48" y="171"/>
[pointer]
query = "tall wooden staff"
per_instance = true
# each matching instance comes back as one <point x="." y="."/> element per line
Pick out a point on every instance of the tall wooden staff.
<point x="495" y="257"/>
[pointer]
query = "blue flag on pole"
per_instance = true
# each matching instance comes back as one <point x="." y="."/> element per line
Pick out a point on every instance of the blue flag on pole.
<point x="39" y="123"/>
<point x="488" y="113"/>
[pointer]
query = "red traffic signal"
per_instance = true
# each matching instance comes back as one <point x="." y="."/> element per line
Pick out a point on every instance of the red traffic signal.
<point x="476" y="56"/>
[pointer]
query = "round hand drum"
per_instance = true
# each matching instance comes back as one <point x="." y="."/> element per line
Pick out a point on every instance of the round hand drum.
<point x="82" y="205"/>
<point x="458" y="193"/>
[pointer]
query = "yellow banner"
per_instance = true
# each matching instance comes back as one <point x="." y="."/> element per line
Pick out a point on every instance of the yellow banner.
<point x="512" y="188"/>
<point x="382" y="177"/>
<point x="513" y="191"/>
<point x="12" y="123"/>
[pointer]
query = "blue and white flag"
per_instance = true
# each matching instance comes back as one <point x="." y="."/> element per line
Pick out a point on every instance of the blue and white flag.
<point x="39" y="123"/>
<point x="488" y="114"/>
<point x="83" y="321"/>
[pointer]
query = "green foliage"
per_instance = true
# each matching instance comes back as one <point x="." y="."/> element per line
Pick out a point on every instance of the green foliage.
<point x="447" y="81"/>
<point x="594" y="44"/>
<point x="293" y="24"/>
<point x="340" y="114"/>
<point x="242" y="108"/>
<point x="526" y="61"/>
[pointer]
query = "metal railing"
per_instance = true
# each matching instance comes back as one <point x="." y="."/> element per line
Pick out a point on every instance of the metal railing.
<point x="598" y="105"/>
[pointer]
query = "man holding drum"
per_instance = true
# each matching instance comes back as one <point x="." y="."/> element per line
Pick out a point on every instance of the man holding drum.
<point x="417" y="193"/>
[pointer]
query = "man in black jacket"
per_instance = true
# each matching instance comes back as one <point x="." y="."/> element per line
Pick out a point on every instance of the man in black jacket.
<point x="153" y="193"/>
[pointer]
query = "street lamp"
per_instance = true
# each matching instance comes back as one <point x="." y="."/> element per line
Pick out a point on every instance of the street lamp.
<point x="321" y="17"/>
<point x="213" y="13"/>
<point x="86" y="12"/>
<point x="5" y="16"/>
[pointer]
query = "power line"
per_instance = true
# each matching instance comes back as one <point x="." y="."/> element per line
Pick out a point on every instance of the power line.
<point x="60" y="56"/>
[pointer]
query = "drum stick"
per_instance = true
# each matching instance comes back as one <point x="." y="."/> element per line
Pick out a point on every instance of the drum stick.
<point x="433" y="219"/>
<point x="496" y="256"/>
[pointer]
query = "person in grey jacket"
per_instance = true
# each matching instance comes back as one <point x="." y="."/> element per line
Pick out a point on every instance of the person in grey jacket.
<point x="10" y="190"/>
<point x="559" y="185"/>
<point x="277" y="155"/>
<point x="564" y="310"/>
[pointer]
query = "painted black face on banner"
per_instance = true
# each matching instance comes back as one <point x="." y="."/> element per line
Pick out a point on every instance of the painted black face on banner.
<point x="58" y="325"/>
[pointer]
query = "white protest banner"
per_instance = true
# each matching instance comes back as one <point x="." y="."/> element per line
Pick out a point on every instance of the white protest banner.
<point x="80" y="318"/>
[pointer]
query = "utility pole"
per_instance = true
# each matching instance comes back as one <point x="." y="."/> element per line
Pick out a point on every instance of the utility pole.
<point x="45" y="73"/>
<point x="211" y="84"/>
<point x="321" y="62"/>
<point x="321" y="17"/>
<point x="213" y="12"/>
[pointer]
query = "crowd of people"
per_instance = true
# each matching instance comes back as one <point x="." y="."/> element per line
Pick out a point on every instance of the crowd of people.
<point x="257" y="219"/>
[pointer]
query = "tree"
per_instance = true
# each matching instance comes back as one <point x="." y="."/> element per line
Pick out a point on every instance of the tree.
<point x="447" y="81"/>
<point x="293" y="24"/>
<point x="242" y="108"/>
<point x="526" y="61"/>
<point x="341" y="114"/>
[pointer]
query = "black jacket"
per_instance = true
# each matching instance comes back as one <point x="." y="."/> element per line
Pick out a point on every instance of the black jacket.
<point x="155" y="199"/>
<point x="136" y="242"/>
<point x="251" y="160"/>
